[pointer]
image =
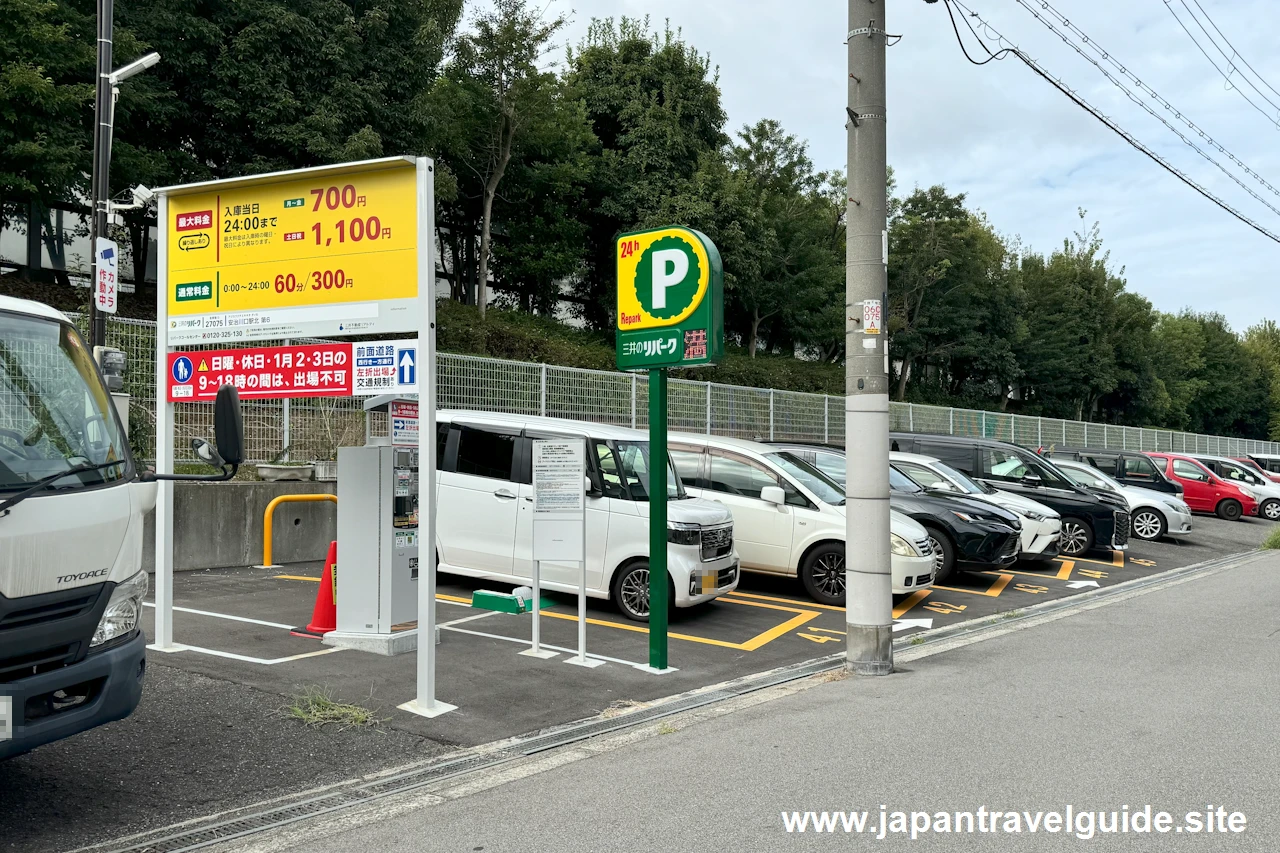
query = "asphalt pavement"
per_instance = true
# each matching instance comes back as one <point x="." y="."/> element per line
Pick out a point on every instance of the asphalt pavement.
<point x="1166" y="699"/>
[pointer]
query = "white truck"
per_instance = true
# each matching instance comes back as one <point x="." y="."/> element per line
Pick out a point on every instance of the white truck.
<point x="72" y="503"/>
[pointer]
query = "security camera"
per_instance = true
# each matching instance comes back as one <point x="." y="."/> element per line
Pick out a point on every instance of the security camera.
<point x="142" y="194"/>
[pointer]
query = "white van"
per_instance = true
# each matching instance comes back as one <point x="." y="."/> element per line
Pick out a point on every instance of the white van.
<point x="790" y="516"/>
<point x="484" y="505"/>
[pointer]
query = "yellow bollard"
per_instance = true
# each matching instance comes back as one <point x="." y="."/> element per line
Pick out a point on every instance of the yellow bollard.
<point x="266" y="522"/>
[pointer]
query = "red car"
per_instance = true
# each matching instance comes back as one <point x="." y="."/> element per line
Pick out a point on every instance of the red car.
<point x="1203" y="490"/>
<point x="1262" y="471"/>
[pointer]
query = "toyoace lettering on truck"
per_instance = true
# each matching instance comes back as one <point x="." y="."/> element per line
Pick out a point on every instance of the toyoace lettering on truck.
<point x="72" y="503"/>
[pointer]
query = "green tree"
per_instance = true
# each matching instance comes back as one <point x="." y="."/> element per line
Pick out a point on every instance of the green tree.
<point x="653" y="103"/>
<point x="46" y="87"/>
<point x="492" y="91"/>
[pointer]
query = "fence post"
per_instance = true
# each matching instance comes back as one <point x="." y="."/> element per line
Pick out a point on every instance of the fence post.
<point x="542" y="392"/>
<point x="771" y="414"/>
<point x="1039" y="432"/>
<point x="911" y="418"/>
<point x="826" y="419"/>
<point x="633" y="401"/>
<point x="984" y="424"/>
<point x="708" y="408"/>
<point x="951" y="420"/>
<point x="1124" y="438"/>
<point x="285" y="441"/>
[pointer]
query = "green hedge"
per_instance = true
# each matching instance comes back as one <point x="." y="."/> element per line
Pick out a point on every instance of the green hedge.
<point x="524" y="337"/>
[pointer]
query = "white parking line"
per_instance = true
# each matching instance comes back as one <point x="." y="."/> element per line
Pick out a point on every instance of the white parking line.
<point x="226" y="616"/>
<point x="179" y="647"/>
<point x="523" y="642"/>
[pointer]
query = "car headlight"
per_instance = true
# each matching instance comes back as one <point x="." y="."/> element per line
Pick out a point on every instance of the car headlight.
<point x="1186" y="510"/>
<point x="901" y="547"/>
<point x="123" y="610"/>
<point x="683" y="533"/>
<point x="1034" y="515"/>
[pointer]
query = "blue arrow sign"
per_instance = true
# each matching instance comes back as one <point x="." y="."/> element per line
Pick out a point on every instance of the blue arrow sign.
<point x="181" y="369"/>
<point x="406" y="371"/>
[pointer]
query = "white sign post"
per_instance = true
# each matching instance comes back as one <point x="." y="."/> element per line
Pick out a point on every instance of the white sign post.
<point x="106" y="289"/>
<point x="559" y="528"/>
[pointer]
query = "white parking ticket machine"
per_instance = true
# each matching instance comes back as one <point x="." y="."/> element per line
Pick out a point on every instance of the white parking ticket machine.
<point x="377" y="575"/>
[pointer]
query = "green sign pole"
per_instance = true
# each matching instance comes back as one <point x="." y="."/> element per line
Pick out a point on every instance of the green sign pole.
<point x="658" y="602"/>
<point x="670" y="313"/>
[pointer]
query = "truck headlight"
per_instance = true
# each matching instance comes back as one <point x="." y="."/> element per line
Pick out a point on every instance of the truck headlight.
<point x="901" y="547"/>
<point x="123" y="610"/>
<point x="683" y="533"/>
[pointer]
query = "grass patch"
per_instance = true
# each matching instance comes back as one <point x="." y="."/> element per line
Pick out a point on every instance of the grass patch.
<point x="915" y="641"/>
<point x="1272" y="542"/>
<point x="834" y="675"/>
<point x="315" y="708"/>
<point x="667" y="729"/>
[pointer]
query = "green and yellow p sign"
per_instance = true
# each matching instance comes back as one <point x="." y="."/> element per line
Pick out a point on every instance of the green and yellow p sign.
<point x="670" y="300"/>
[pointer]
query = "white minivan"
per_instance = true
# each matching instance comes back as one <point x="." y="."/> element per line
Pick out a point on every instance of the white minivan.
<point x="484" y="505"/>
<point x="790" y="516"/>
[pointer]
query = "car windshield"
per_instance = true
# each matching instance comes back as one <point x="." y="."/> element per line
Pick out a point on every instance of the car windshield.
<point x="55" y="413"/>
<point x="1239" y="473"/>
<point x="1089" y="478"/>
<point x="633" y="456"/>
<point x="900" y="482"/>
<point x="962" y="480"/>
<point x="823" y="487"/>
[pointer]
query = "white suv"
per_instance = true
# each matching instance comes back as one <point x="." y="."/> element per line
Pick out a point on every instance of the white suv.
<point x="484" y="505"/>
<point x="789" y="517"/>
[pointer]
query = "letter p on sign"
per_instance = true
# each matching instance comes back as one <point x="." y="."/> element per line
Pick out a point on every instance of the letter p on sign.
<point x="670" y="266"/>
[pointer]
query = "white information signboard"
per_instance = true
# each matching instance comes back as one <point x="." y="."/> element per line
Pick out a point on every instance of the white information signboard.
<point x="558" y="500"/>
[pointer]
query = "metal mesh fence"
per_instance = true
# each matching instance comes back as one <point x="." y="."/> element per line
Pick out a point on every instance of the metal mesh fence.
<point x="313" y="428"/>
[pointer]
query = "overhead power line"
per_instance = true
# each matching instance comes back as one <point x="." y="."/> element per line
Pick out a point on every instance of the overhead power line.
<point x="1009" y="49"/>
<point x="1232" y="68"/>
<point x="1152" y="94"/>
<point x="1235" y="53"/>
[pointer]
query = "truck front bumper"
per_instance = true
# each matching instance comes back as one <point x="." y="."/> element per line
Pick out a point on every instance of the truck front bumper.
<point x="102" y="688"/>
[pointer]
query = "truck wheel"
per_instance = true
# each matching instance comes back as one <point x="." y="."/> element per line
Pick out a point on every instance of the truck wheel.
<point x="1271" y="510"/>
<point x="944" y="556"/>
<point x="1076" y="537"/>
<point x="1230" y="509"/>
<point x="823" y="574"/>
<point x="630" y="591"/>
<point x="1148" y="524"/>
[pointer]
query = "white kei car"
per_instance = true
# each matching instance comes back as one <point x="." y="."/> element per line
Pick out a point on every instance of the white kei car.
<point x="789" y="517"/>
<point x="1152" y="514"/>
<point x="1041" y="526"/>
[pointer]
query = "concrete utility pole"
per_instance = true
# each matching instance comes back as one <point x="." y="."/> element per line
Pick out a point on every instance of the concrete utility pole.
<point x="868" y="580"/>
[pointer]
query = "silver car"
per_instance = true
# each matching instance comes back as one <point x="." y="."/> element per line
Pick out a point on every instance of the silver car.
<point x="1152" y="514"/>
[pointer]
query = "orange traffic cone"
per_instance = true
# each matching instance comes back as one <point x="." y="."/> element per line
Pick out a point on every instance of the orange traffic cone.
<point x="324" y="617"/>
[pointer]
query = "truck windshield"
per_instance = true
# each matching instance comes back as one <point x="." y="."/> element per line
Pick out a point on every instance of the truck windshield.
<point x="633" y="460"/>
<point x="55" y="413"/>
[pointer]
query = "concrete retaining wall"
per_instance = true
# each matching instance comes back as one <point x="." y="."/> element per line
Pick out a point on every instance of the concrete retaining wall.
<point x="217" y="525"/>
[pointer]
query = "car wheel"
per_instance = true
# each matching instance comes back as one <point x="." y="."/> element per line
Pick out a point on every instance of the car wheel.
<point x="1230" y="509"/>
<point x="823" y="574"/>
<point x="944" y="556"/>
<point x="1271" y="510"/>
<point x="630" y="589"/>
<point x="1076" y="537"/>
<point x="1148" y="524"/>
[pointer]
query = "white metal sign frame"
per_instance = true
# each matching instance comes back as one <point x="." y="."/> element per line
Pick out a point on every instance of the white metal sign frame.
<point x="425" y="702"/>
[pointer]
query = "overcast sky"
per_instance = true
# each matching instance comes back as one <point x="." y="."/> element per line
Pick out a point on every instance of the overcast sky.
<point x="1020" y="150"/>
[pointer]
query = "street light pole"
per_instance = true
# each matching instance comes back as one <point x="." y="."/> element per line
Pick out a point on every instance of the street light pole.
<point x="868" y="577"/>
<point x="99" y="184"/>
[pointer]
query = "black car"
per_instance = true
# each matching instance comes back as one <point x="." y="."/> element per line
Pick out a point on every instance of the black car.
<point x="976" y="534"/>
<point x="1127" y="466"/>
<point x="1089" y="520"/>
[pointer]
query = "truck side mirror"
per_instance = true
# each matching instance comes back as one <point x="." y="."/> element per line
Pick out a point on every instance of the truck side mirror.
<point x="228" y="425"/>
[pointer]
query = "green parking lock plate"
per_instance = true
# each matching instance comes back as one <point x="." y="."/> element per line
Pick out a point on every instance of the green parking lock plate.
<point x="504" y="602"/>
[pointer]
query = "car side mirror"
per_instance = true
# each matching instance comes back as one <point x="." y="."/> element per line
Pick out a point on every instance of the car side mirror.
<point x="228" y="426"/>
<point x="773" y="495"/>
<point x="589" y="487"/>
<point x="1031" y="479"/>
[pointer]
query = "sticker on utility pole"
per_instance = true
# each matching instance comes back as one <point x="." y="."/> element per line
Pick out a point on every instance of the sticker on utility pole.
<point x="107" y="286"/>
<point x="871" y="316"/>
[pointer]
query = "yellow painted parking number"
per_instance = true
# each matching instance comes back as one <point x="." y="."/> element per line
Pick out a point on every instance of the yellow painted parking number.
<point x="1031" y="588"/>
<point x="1150" y="564"/>
<point x="943" y="607"/>
<point x="1092" y="573"/>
